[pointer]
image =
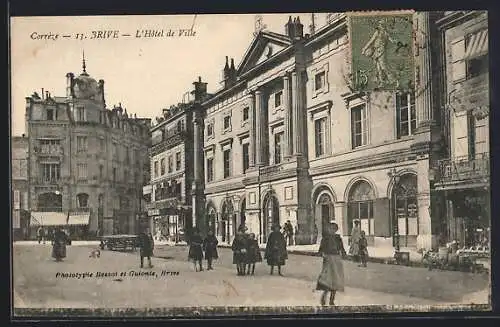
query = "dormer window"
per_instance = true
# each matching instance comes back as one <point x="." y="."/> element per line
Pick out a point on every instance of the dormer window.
<point x="278" y="97"/>
<point x="50" y="114"/>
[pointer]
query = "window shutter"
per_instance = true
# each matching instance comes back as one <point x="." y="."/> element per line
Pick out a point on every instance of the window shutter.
<point x="382" y="217"/>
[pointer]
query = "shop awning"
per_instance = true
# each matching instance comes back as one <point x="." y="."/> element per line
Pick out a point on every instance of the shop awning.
<point x="48" y="218"/>
<point x="79" y="218"/>
<point x="478" y="45"/>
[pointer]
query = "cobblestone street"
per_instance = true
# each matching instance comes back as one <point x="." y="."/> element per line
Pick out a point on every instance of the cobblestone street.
<point x="36" y="284"/>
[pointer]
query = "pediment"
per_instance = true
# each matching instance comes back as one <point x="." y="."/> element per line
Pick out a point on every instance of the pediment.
<point x="264" y="46"/>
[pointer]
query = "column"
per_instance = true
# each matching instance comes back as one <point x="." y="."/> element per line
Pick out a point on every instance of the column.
<point x="258" y="128"/>
<point x="197" y="164"/>
<point x="286" y="105"/>
<point x="251" y="108"/>
<point x="423" y="100"/>
<point x="296" y="114"/>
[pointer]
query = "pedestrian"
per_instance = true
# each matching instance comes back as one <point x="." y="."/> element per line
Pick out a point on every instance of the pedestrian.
<point x="239" y="248"/>
<point x="146" y="244"/>
<point x="363" y="249"/>
<point x="355" y="236"/>
<point x="253" y="254"/>
<point x="288" y="228"/>
<point x="210" y="248"/>
<point x="40" y="235"/>
<point x="276" y="250"/>
<point x="59" y="245"/>
<point x="331" y="278"/>
<point x="196" y="249"/>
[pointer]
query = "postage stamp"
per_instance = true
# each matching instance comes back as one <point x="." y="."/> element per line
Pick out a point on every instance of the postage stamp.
<point x="381" y="50"/>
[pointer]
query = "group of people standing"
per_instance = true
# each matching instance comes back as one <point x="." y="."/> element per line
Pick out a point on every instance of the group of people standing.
<point x="200" y="248"/>
<point x="246" y="251"/>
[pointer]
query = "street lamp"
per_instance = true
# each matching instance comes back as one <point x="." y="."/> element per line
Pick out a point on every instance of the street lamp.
<point x="393" y="174"/>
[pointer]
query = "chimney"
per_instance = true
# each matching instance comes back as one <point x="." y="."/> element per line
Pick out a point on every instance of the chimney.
<point x="47" y="94"/>
<point x="200" y="90"/>
<point x="233" y="71"/>
<point x="290" y="28"/>
<point x="43" y="94"/>
<point x="299" y="29"/>
<point x="226" y="69"/>
<point x="69" y="84"/>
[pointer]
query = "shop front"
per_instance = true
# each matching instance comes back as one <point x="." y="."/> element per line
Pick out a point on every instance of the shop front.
<point x="169" y="224"/>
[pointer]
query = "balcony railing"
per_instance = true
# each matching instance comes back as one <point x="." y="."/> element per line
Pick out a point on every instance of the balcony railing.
<point x="464" y="168"/>
<point x="53" y="150"/>
<point x="47" y="181"/>
<point x="49" y="209"/>
<point x="270" y="169"/>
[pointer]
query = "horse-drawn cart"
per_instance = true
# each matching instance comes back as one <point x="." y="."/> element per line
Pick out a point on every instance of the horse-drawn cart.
<point x="119" y="242"/>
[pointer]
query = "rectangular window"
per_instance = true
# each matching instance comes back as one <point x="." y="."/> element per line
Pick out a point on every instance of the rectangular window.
<point x="101" y="171"/>
<point x="477" y="66"/>
<point x="156" y="170"/>
<point x="170" y="164"/>
<point x="471" y="135"/>
<point x="50" y="114"/>
<point x="246" y="113"/>
<point x="114" y="174"/>
<point x="319" y="81"/>
<point x="406" y="116"/>
<point x="359" y="126"/>
<point x="278" y="99"/>
<point x="51" y="172"/>
<point x="210" y="129"/>
<point x="102" y="145"/>
<point x="278" y="139"/>
<point x="127" y="155"/>
<point x="178" y="161"/>
<point x="81" y="143"/>
<point x="125" y="176"/>
<point x="80" y="112"/>
<point x="178" y="190"/>
<point x="162" y="166"/>
<point x="227" y="163"/>
<point x="320" y="136"/>
<point x="246" y="157"/>
<point x="210" y="169"/>
<point x="457" y="59"/>
<point x="227" y="122"/>
<point x="114" y="151"/>
<point x="82" y="171"/>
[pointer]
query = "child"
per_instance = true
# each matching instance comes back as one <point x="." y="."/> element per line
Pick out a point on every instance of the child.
<point x="196" y="250"/>
<point x="239" y="248"/>
<point x="363" y="249"/>
<point x="253" y="255"/>
<point x="210" y="247"/>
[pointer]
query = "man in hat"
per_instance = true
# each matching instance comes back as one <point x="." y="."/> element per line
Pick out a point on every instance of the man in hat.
<point x="276" y="253"/>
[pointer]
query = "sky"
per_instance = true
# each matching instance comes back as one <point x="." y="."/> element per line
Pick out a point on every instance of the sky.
<point x="143" y="74"/>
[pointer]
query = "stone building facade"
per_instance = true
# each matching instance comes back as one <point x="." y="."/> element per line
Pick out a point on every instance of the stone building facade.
<point x="287" y="138"/>
<point x="86" y="161"/>
<point x="176" y="187"/>
<point x="464" y="176"/>
<point x="19" y="186"/>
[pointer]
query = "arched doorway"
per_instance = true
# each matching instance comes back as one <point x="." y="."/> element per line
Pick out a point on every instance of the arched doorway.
<point x="271" y="215"/>
<point x="51" y="201"/>
<point x="243" y="217"/>
<point x="360" y="206"/>
<point x="405" y="211"/>
<point x="227" y="220"/>
<point x="325" y="210"/>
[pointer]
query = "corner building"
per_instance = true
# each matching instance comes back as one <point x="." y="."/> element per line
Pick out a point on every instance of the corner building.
<point x="287" y="139"/>
<point x="85" y="161"/>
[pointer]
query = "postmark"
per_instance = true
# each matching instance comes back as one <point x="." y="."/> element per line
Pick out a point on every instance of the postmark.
<point x="381" y="50"/>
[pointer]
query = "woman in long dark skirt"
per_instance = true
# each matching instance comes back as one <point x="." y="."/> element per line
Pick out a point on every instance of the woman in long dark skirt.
<point x="59" y="245"/>
<point x="210" y="248"/>
<point x="331" y="279"/>
<point x="253" y="254"/>
<point x="239" y="248"/>
<point x="196" y="249"/>
<point x="276" y="250"/>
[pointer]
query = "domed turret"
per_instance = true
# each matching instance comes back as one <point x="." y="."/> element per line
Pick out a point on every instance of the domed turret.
<point x="85" y="87"/>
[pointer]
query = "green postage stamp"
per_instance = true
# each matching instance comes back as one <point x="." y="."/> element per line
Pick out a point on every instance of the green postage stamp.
<point x="381" y="50"/>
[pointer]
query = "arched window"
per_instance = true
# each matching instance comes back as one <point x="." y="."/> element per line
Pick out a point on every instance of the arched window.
<point x="211" y="220"/>
<point x="360" y="206"/>
<point x="271" y="215"/>
<point x="82" y="200"/>
<point x="405" y="222"/>
<point x="325" y="209"/>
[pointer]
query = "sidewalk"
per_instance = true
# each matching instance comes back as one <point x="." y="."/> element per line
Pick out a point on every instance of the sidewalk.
<point x="379" y="255"/>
